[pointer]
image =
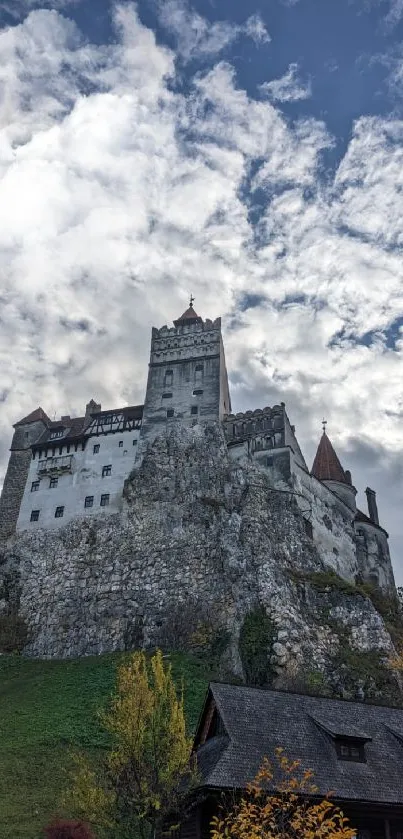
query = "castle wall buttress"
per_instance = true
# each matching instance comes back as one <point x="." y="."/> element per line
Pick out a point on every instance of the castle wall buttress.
<point x="16" y="476"/>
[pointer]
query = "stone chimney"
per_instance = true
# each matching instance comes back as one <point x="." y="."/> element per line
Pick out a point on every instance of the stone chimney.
<point x="92" y="407"/>
<point x="372" y="508"/>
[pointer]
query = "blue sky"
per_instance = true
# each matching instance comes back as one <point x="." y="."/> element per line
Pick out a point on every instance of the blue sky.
<point x="253" y="156"/>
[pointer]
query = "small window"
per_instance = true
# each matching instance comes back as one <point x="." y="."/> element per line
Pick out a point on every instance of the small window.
<point x="167" y="395"/>
<point x="105" y="500"/>
<point x="96" y="448"/>
<point x="34" y="515"/>
<point x="121" y="444"/>
<point x="199" y="373"/>
<point x="59" y="512"/>
<point x="53" y="482"/>
<point x="106" y="470"/>
<point x="198" y="392"/>
<point x="168" y="378"/>
<point x="134" y="442"/>
<point x="170" y="413"/>
<point x="57" y="433"/>
<point x="89" y="501"/>
<point x="194" y="409"/>
<point x="35" y="486"/>
<point x="348" y="750"/>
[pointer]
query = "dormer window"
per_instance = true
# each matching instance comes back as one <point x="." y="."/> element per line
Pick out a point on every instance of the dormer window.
<point x="58" y="432"/>
<point x="349" y="742"/>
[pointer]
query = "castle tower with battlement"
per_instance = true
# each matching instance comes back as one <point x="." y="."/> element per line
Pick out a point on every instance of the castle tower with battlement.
<point x="187" y="377"/>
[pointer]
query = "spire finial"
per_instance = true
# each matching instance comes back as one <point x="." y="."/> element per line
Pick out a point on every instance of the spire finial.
<point x="192" y="300"/>
<point x="324" y="424"/>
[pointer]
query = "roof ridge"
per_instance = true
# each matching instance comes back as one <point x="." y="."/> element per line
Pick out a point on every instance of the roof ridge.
<point x="282" y="691"/>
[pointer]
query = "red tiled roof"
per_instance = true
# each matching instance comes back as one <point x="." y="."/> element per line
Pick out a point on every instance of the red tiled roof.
<point x="190" y="314"/>
<point x="327" y="466"/>
<point x="34" y="416"/>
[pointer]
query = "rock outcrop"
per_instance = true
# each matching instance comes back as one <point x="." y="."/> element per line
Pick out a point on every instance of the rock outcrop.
<point x="201" y="543"/>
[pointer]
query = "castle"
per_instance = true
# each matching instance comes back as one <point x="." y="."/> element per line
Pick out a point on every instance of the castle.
<point x="60" y="470"/>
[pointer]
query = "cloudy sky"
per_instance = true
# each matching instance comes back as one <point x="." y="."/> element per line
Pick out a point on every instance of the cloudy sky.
<point x="250" y="153"/>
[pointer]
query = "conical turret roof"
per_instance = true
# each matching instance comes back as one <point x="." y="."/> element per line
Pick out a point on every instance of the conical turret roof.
<point x="189" y="316"/>
<point x="327" y="466"/>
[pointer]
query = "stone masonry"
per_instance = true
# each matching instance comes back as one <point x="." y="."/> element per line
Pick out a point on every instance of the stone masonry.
<point x="196" y="528"/>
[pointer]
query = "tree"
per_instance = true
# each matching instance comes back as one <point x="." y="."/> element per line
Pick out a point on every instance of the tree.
<point x="147" y="773"/>
<point x="279" y="804"/>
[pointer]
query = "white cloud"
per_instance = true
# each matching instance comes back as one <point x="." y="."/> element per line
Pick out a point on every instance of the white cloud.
<point x="395" y="13"/>
<point x="17" y="9"/>
<point x="197" y="37"/>
<point x="288" y="88"/>
<point x="256" y="29"/>
<point x="118" y="196"/>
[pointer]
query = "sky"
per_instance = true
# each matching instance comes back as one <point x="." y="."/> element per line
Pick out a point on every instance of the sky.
<point x="250" y="154"/>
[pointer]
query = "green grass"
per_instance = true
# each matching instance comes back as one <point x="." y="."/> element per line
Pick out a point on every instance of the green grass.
<point x="47" y="707"/>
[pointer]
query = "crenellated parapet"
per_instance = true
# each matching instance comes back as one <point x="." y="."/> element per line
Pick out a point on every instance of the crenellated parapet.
<point x="197" y="325"/>
<point x="188" y="339"/>
<point x="263" y="428"/>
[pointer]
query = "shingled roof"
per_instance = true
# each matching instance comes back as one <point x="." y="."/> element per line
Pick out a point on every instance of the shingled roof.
<point x="362" y="517"/>
<point x="76" y="428"/>
<point x="34" y="416"/>
<point x="74" y="431"/>
<point x="327" y="466"/>
<point x="257" y="721"/>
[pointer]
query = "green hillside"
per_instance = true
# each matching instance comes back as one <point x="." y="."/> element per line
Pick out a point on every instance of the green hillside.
<point x="45" y="708"/>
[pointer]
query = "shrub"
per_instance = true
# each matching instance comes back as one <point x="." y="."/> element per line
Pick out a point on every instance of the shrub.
<point x="257" y="635"/>
<point x="67" y="829"/>
<point x="197" y="628"/>
<point x="13" y="632"/>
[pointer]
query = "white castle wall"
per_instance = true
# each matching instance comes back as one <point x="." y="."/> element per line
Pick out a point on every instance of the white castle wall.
<point x="84" y="480"/>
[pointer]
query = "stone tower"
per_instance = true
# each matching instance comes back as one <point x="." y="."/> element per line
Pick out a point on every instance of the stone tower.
<point x="27" y="431"/>
<point x="187" y="378"/>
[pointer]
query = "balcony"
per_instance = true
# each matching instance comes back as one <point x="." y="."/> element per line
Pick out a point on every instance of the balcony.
<point x="56" y="465"/>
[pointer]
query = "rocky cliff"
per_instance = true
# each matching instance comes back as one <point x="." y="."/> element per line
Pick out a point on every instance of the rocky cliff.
<point x="202" y="545"/>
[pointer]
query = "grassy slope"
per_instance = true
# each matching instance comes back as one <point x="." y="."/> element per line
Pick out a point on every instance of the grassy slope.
<point x="48" y="706"/>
